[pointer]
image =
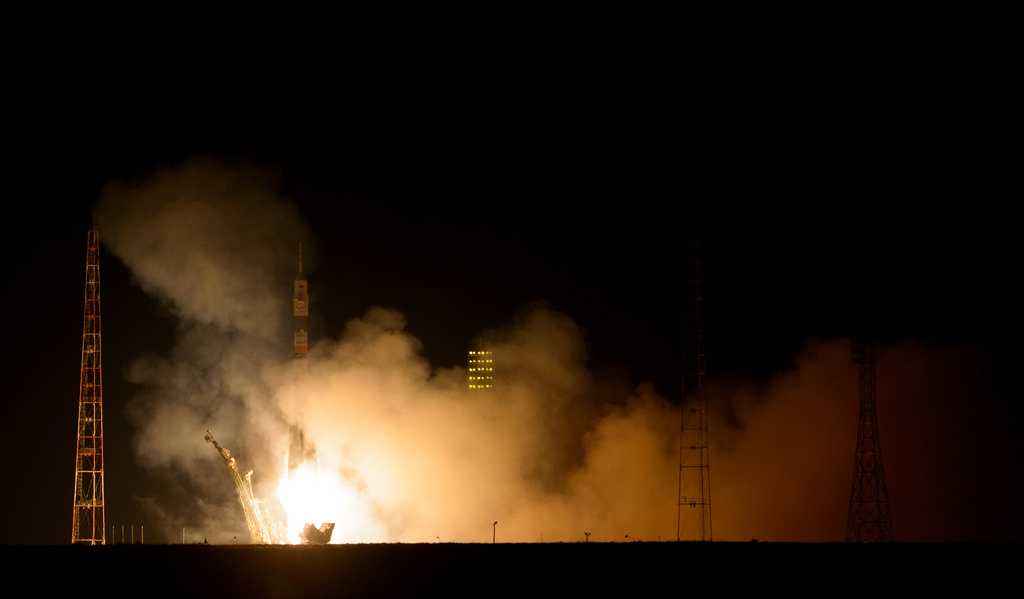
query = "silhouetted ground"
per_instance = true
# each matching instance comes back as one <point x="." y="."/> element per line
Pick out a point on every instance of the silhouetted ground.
<point x="582" y="569"/>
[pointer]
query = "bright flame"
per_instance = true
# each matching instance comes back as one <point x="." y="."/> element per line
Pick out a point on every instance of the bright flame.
<point x="313" y="497"/>
<point x="302" y="496"/>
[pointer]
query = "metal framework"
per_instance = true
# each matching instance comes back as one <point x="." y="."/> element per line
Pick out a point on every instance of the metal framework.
<point x="88" y="527"/>
<point x="260" y="529"/>
<point x="694" y="515"/>
<point x="869" y="519"/>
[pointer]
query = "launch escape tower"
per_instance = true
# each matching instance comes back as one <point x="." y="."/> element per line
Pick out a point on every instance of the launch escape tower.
<point x="869" y="519"/>
<point x="89" y="527"/>
<point x="694" y="515"/>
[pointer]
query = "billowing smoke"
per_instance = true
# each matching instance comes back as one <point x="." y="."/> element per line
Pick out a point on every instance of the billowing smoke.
<point x="436" y="460"/>
<point x="415" y="456"/>
<point x="782" y="451"/>
<point x="205" y="238"/>
<point x="783" y="448"/>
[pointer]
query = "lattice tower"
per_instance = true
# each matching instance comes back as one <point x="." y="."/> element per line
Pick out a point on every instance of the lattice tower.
<point x="89" y="525"/>
<point x="694" y="515"/>
<point x="868" y="519"/>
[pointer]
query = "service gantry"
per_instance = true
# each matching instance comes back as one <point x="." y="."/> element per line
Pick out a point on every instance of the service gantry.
<point x="89" y="525"/>
<point x="261" y="530"/>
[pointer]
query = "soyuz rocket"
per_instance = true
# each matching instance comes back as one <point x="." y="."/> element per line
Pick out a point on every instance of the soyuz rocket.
<point x="299" y="451"/>
<point x="300" y="310"/>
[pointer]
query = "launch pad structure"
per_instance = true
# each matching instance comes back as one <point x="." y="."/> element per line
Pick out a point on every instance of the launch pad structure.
<point x="260" y="529"/>
<point x="693" y="521"/>
<point x="869" y="519"/>
<point x="89" y="517"/>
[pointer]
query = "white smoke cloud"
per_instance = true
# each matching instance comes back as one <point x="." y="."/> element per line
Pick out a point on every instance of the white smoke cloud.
<point x="206" y="237"/>
<point x="406" y="451"/>
<point x="418" y="456"/>
<point x="437" y="460"/>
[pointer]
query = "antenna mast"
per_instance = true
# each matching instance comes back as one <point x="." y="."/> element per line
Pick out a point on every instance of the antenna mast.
<point x="89" y="525"/>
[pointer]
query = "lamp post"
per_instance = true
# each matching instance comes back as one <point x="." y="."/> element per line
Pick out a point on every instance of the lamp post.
<point x="494" y="531"/>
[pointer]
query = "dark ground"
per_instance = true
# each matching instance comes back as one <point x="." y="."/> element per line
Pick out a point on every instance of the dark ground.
<point x="597" y="569"/>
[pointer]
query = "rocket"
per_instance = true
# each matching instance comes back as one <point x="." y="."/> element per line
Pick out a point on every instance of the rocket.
<point x="300" y="309"/>
<point x="299" y="451"/>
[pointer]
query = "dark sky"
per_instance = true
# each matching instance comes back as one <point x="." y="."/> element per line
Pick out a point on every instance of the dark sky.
<point x="823" y="210"/>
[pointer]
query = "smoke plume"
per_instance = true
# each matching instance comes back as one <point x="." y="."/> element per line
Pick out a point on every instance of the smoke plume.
<point x="409" y="454"/>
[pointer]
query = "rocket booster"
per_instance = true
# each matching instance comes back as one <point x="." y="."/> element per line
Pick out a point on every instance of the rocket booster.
<point x="300" y="305"/>
<point x="300" y="452"/>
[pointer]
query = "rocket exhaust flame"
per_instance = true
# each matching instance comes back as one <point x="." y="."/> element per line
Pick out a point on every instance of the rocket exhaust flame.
<point x="309" y="500"/>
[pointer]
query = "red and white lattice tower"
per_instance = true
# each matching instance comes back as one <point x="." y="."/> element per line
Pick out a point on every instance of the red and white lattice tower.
<point x="89" y="525"/>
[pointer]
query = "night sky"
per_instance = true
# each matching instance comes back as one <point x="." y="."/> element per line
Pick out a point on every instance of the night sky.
<point x="823" y="211"/>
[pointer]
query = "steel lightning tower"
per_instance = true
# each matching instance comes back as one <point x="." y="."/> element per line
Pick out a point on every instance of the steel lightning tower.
<point x="694" y="516"/>
<point x="89" y="525"/>
<point x="868" y="519"/>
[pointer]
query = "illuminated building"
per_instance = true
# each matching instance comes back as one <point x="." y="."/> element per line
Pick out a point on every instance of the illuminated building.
<point x="480" y="365"/>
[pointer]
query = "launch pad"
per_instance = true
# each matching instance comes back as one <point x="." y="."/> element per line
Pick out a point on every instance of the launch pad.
<point x="262" y="530"/>
<point x="317" y="535"/>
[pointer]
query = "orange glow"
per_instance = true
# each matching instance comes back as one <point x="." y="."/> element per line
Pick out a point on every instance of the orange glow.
<point x="317" y="497"/>
<point x="304" y="498"/>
